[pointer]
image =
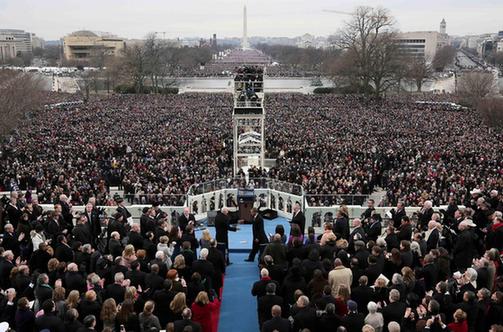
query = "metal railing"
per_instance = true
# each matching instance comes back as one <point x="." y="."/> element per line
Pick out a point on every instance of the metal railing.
<point x="255" y="183"/>
<point x="337" y="199"/>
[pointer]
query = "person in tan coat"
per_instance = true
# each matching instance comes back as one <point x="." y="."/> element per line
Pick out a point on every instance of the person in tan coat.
<point x="340" y="275"/>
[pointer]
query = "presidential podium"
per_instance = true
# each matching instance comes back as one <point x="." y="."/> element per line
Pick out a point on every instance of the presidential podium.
<point x="246" y="199"/>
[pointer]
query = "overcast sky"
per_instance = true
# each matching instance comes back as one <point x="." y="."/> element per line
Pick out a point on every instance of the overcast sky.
<point x="52" y="19"/>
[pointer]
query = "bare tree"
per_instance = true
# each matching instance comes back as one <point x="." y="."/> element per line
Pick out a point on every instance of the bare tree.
<point x="20" y="93"/>
<point x="475" y="85"/>
<point x="444" y="57"/>
<point x="418" y="70"/>
<point x="369" y="38"/>
<point x="491" y="110"/>
<point x="136" y="65"/>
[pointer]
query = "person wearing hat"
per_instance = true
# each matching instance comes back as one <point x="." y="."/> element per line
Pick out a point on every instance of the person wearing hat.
<point x="121" y="209"/>
<point x="465" y="248"/>
<point x="353" y="321"/>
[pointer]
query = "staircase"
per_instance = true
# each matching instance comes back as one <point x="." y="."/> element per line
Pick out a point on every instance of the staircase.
<point x="378" y="196"/>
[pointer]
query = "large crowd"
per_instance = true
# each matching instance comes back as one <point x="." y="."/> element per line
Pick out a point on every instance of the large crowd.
<point x="441" y="272"/>
<point x="156" y="147"/>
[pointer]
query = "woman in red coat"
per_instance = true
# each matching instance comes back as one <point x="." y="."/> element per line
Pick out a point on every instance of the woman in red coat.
<point x="205" y="312"/>
<point x="459" y="324"/>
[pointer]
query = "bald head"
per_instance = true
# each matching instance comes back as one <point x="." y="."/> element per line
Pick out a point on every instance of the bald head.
<point x="276" y="311"/>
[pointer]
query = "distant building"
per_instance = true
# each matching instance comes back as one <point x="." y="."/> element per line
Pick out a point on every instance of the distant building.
<point x="307" y="40"/>
<point x="443" y="27"/>
<point x="84" y="45"/>
<point x="37" y="42"/>
<point x="422" y="43"/>
<point x="7" y="48"/>
<point x="21" y="38"/>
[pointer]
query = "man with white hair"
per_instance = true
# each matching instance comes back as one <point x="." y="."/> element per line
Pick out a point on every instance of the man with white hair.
<point x="74" y="279"/>
<point x="117" y="289"/>
<point x="6" y="265"/>
<point x="114" y="245"/>
<point x="432" y="236"/>
<point x="134" y="237"/>
<point x="357" y="234"/>
<point x="205" y="268"/>
<point x="222" y="228"/>
<point x="393" y="327"/>
<point x="11" y="240"/>
<point x="395" y="310"/>
<point x="425" y="215"/>
<point x="305" y="316"/>
<point x="66" y="211"/>
<point x="259" y="287"/>
<point x="186" y="218"/>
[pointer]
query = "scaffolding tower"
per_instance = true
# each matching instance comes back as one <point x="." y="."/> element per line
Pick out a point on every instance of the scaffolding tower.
<point x="248" y="118"/>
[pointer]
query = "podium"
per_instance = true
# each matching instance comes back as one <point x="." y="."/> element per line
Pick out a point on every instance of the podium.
<point x="246" y="199"/>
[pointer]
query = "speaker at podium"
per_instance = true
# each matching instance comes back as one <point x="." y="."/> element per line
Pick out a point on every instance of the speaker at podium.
<point x="246" y="199"/>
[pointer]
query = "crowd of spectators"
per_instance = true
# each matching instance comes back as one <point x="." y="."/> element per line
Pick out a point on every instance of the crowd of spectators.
<point x="442" y="272"/>
<point x="61" y="271"/>
<point x="156" y="147"/>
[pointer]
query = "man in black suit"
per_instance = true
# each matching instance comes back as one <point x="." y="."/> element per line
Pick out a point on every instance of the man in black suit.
<point x="357" y="234"/>
<point x="405" y="229"/>
<point x="66" y="211"/>
<point x="432" y="236"/>
<point x="122" y="210"/>
<point x="147" y="222"/>
<point x="276" y="323"/>
<point x="375" y="228"/>
<point x="185" y="321"/>
<point x="354" y="320"/>
<point x="81" y="231"/>
<point x="185" y="219"/>
<point x="266" y="302"/>
<point x="362" y="294"/>
<point x="64" y="252"/>
<point x="49" y="320"/>
<point x="398" y="214"/>
<point x="395" y="310"/>
<point x="369" y="211"/>
<point x="116" y="290"/>
<point x="429" y="273"/>
<point x="222" y="228"/>
<point x="13" y="210"/>
<point x="259" y="236"/>
<point x="74" y="280"/>
<point x="204" y="268"/>
<point x="305" y="316"/>
<point x="136" y="276"/>
<point x="299" y="218"/>
<point x="93" y="222"/>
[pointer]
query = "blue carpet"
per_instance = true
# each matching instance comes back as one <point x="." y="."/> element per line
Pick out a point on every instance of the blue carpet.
<point x="239" y="308"/>
<point x="241" y="241"/>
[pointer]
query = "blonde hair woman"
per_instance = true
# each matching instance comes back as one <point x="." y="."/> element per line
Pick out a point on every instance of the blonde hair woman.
<point x="202" y="311"/>
<point x="108" y="313"/>
<point x="73" y="299"/>
<point x="205" y="239"/>
<point x="128" y="256"/>
<point x="176" y="306"/>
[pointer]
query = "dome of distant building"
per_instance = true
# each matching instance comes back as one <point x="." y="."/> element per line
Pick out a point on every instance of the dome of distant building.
<point x="83" y="33"/>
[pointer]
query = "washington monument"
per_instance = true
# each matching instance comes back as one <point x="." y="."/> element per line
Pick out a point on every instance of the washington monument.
<point x="244" y="42"/>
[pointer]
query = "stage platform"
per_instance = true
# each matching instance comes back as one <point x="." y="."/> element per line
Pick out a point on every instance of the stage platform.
<point x="241" y="241"/>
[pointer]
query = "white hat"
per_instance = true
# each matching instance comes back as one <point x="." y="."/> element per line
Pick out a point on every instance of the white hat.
<point x="469" y="223"/>
<point x="476" y="191"/>
<point x="4" y="327"/>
